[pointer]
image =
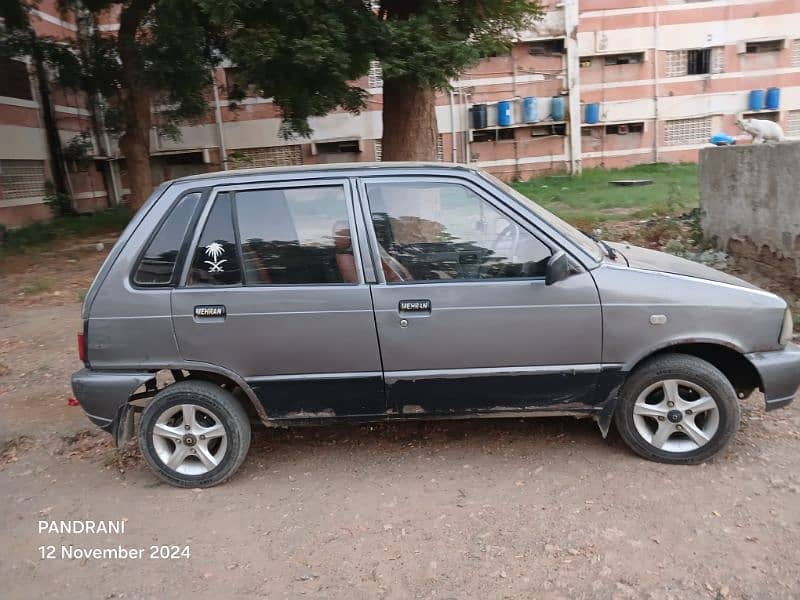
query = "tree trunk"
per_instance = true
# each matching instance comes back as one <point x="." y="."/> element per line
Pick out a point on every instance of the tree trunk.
<point x="135" y="145"/>
<point x="409" y="121"/>
<point x="135" y="95"/>
<point x="50" y="126"/>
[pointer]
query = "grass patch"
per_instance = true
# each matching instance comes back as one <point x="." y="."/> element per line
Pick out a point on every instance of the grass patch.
<point x="36" y="235"/>
<point x="37" y="286"/>
<point x="590" y="199"/>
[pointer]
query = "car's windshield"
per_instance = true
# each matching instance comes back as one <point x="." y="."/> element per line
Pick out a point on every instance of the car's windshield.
<point x="580" y="238"/>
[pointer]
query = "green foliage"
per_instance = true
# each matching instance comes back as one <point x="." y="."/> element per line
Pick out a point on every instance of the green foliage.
<point x="79" y="150"/>
<point x="175" y="43"/>
<point x="178" y="55"/>
<point x="431" y="43"/>
<point x="305" y="54"/>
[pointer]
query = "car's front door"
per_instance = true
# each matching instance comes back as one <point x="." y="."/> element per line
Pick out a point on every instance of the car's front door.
<point x="275" y="293"/>
<point x="465" y="320"/>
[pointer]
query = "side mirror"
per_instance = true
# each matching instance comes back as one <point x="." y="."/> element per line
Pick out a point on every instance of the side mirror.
<point x="557" y="268"/>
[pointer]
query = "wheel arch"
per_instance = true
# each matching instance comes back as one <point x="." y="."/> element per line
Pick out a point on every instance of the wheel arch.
<point x="199" y="372"/>
<point x="726" y="357"/>
<point x="729" y="359"/>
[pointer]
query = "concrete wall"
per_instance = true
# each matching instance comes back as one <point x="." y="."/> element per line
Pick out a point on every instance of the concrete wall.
<point x="751" y="203"/>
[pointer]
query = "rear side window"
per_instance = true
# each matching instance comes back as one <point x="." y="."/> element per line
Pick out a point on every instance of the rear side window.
<point x="157" y="265"/>
<point x="216" y="258"/>
<point x="295" y="236"/>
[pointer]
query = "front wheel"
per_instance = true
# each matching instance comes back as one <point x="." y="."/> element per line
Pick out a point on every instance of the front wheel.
<point x="194" y="434"/>
<point x="677" y="408"/>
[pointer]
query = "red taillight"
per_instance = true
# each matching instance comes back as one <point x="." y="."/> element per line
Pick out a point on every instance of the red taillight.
<point x="82" y="347"/>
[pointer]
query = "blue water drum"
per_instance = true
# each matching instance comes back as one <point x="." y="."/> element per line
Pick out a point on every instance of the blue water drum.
<point x="504" y="113"/>
<point x="557" y="108"/>
<point x="773" y="98"/>
<point x="757" y="100"/>
<point x="592" y="115"/>
<point x="530" y="110"/>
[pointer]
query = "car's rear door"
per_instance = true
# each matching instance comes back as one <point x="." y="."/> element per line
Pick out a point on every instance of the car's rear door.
<point x="274" y="291"/>
<point x="465" y="320"/>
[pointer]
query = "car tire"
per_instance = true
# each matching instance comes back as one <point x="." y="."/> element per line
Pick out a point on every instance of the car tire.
<point x="678" y="409"/>
<point x="194" y="434"/>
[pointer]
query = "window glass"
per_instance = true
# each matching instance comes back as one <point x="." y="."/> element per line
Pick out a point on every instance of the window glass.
<point x="442" y="231"/>
<point x="581" y="239"/>
<point x="216" y="258"/>
<point x="157" y="265"/>
<point x="295" y="236"/>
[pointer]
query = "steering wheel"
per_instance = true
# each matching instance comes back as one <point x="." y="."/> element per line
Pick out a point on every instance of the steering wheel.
<point x="511" y="233"/>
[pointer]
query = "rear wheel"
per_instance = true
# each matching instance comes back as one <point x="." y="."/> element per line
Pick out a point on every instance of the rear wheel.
<point x="194" y="434"/>
<point x="677" y="408"/>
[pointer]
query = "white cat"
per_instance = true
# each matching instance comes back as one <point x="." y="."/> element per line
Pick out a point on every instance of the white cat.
<point x="762" y="130"/>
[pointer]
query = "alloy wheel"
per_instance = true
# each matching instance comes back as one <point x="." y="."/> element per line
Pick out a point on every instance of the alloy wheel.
<point x="190" y="439"/>
<point x="674" y="415"/>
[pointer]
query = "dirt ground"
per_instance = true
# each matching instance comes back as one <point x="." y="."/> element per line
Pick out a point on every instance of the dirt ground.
<point x="479" y="509"/>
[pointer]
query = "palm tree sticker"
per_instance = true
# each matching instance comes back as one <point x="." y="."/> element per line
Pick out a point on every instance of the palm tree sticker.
<point x="215" y="250"/>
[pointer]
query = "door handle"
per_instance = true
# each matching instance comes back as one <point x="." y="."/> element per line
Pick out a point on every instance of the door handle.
<point x="209" y="313"/>
<point x="414" y="306"/>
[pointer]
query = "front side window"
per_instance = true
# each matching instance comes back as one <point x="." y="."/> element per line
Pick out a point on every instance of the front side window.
<point x="443" y="231"/>
<point x="216" y="258"/>
<point x="157" y="265"/>
<point x="295" y="236"/>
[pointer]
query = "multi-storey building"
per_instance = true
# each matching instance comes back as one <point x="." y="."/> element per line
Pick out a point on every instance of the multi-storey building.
<point x="655" y="80"/>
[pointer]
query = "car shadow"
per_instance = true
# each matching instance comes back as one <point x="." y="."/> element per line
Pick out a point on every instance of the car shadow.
<point x="461" y="438"/>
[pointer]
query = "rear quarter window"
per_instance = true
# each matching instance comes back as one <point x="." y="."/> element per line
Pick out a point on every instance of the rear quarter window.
<point x="157" y="265"/>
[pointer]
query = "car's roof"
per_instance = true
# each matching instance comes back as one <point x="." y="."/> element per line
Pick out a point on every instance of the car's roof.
<point x="330" y="167"/>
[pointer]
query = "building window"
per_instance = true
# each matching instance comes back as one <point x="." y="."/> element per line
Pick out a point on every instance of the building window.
<point x="378" y="150"/>
<point x="624" y="128"/>
<point x="682" y="132"/>
<point x="793" y="123"/>
<point x="275" y="156"/>
<point x="767" y="46"/>
<point x="554" y="47"/>
<point x="22" y="179"/>
<point x="773" y="116"/>
<point x="796" y="53"/>
<point x="337" y="147"/>
<point x="14" y="80"/>
<point x="632" y="58"/>
<point x="483" y="135"/>
<point x="375" y="75"/>
<point x="546" y="130"/>
<point x="698" y="61"/>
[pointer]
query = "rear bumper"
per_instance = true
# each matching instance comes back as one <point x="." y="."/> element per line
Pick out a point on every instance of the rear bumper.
<point x="780" y="374"/>
<point x="103" y="395"/>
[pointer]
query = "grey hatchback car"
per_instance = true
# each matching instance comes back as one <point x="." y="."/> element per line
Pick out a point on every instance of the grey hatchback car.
<point x="291" y="296"/>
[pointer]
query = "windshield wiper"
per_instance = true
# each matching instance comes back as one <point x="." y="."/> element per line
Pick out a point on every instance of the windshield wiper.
<point x="610" y="252"/>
